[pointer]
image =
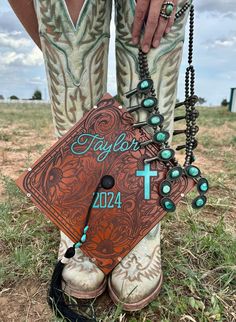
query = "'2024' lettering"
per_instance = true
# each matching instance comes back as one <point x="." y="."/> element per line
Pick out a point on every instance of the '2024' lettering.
<point x="107" y="200"/>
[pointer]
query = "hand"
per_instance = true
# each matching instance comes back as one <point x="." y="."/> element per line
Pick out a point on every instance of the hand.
<point x="147" y="13"/>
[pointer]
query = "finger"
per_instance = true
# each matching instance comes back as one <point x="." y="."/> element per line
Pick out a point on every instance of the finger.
<point x="160" y="30"/>
<point x="171" y="20"/>
<point x="140" y="13"/>
<point x="151" y="25"/>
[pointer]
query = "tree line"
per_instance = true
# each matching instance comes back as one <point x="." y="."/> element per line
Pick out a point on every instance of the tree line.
<point x="37" y="95"/>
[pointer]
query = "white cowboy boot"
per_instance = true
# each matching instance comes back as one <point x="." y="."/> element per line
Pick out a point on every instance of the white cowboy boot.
<point x="81" y="277"/>
<point x="137" y="280"/>
<point x="76" y="64"/>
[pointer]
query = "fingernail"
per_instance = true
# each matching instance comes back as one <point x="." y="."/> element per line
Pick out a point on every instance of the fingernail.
<point x="167" y="30"/>
<point x="145" y="48"/>
<point x="135" y="40"/>
<point x="156" y="43"/>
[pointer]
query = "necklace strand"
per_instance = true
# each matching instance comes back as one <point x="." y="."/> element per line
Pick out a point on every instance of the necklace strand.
<point x="155" y="120"/>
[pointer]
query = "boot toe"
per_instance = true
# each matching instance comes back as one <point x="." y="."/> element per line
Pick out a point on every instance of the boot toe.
<point x="134" y="296"/>
<point x="83" y="281"/>
<point x="81" y="277"/>
<point x="137" y="279"/>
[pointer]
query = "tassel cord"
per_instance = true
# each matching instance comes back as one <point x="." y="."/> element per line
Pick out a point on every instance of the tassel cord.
<point x="56" y="298"/>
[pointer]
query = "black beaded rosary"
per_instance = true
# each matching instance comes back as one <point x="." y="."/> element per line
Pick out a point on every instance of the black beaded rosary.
<point x="155" y="120"/>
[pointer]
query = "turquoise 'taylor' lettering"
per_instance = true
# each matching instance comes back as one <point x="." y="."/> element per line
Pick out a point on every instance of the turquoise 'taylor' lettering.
<point x="86" y="142"/>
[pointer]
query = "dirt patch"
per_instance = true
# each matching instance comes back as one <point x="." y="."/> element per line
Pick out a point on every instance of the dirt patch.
<point x="225" y="129"/>
<point x="21" y="151"/>
<point x="28" y="298"/>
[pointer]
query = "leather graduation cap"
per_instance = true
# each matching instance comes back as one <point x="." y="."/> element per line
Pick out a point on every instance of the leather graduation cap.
<point x="101" y="160"/>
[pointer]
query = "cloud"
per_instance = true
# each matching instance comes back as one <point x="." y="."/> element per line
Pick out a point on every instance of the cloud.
<point x="230" y="42"/>
<point x="223" y="42"/>
<point x="9" y="39"/>
<point x="10" y="58"/>
<point x="33" y="58"/>
<point x="221" y="6"/>
<point x="37" y="80"/>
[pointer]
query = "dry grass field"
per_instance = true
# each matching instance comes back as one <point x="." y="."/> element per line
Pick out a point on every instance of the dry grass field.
<point x="198" y="247"/>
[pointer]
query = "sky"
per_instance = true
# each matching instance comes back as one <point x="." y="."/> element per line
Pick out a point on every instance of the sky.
<point x="22" y="68"/>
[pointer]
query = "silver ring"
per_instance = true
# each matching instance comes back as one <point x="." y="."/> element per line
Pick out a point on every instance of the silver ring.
<point x="167" y="9"/>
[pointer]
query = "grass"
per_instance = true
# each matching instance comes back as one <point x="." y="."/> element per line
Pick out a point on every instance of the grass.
<point x="26" y="236"/>
<point x="198" y="247"/>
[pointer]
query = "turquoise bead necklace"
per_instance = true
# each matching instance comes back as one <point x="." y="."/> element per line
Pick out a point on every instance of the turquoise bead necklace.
<point x="155" y="120"/>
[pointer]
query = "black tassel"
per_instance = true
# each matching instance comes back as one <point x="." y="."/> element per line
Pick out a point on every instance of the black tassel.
<point x="56" y="297"/>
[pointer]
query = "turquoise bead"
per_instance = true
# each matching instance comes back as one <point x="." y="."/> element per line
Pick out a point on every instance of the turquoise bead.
<point x="160" y="137"/>
<point x="148" y="102"/>
<point x="155" y="120"/>
<point x="199" y="202"/>
<point x="166" y="154"/>
<point x="204" y="187"/>
<point x="175" y="174"/>
<point x="166" y="189"/>
<point x="169" y="205"/>
<point x="192" y="171"/>
<point x="86" y="229"/>
<point x="169" y="9"/>
<point x="144" y="84"/>
<point x="83" y="238"/>
<point x="78" y="245"/>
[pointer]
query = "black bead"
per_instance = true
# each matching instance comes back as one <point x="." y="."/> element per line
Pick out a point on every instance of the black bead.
<point x="70" y="252"/>
<point x="107" y="182"/>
